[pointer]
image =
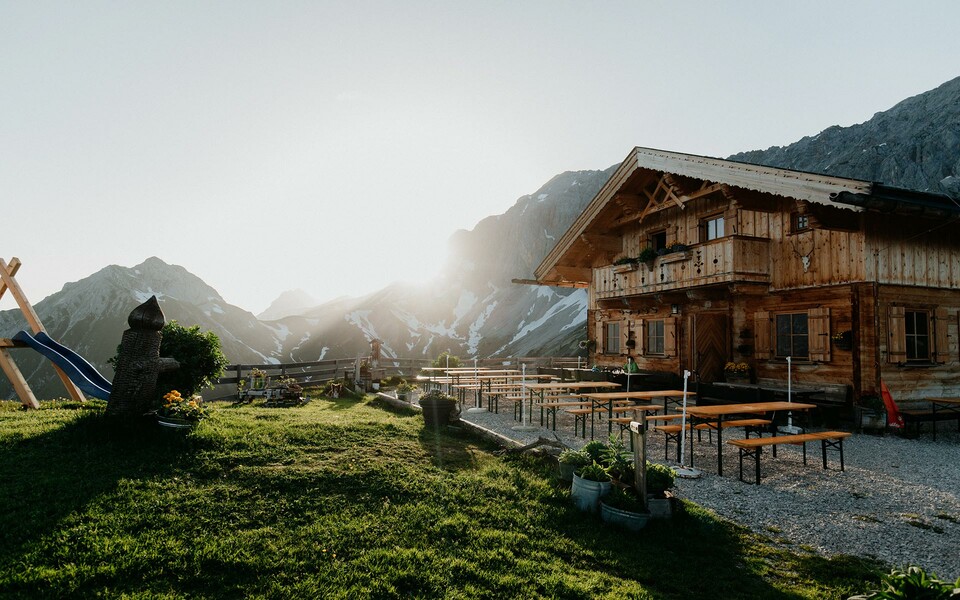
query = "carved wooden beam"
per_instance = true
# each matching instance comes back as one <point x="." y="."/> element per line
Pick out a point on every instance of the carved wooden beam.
<point x="574" y="274"/>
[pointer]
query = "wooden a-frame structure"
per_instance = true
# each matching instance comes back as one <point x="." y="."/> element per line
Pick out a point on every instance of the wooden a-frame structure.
<point x="8" y="281"/>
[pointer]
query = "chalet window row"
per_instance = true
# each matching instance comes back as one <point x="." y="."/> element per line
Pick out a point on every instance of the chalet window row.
<point x="914" y="336"/>
<point x="645" y="337"/>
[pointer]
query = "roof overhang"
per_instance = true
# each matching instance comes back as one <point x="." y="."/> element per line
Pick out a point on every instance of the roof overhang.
<point x="716" y="174"/>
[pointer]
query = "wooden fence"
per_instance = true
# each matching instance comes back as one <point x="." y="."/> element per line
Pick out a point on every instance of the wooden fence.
<point x="318" y="372"/>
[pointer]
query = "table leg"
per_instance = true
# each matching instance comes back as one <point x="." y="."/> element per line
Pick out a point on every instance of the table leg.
<point x="720" y="447"/>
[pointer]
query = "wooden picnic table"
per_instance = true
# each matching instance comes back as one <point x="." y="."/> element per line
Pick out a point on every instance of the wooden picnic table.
<point x="716" y="413"/>
<point x="607" y="399"/>
<point x="540" y="389"/>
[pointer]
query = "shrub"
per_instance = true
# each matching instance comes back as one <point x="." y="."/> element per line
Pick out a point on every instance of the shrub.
<point x="659" y="477"/>
<point x="647" y="254"/>
<point x="617" y="460"/>
<point x="441" y="361"/>
<point x="199" y="354"/>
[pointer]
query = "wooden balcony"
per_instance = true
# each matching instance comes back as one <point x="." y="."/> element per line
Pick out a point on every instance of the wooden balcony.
<point x="731" y="259"/>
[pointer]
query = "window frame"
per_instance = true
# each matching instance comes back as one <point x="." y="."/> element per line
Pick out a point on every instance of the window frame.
<point x="654" y="345"/>
<point x="776" y="353"/>
<point x="795" y="222"/>
<point x="609" y="339"/>
<point x="719" y="228"/>
<point x="655" y="237"/>
<point x="914" y="337"/>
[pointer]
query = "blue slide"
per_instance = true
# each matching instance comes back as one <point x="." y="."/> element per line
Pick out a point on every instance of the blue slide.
<point x="75" y="366"/>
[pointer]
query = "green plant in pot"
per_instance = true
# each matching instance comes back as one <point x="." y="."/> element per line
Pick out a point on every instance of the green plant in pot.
<point x="622" y="507"/>
<point x="660" y="478"/>
<point x="617" y="460"/>
<point x="595" y="449"/>
<point x="438" y="409"/>
<point x="571" y="460"/>
<point x="647" y="255"/>
<point x="590" y="484"/>
<point x="404" y="390"/>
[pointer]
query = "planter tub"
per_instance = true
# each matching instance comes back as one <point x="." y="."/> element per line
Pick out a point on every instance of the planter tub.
<point x="436" y="413"/>
<point x="660" y="508"/>
<point x="586" y="494"/>
<point x="566" y="471"/>
<point x="623" y="518"/>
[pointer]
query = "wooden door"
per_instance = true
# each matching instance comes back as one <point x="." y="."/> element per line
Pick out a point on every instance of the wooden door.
<point x="708" y="345"/>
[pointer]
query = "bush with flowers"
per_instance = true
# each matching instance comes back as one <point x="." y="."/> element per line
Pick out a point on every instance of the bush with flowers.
<point x="740" y="368"/>
<point x="176" y="406"/>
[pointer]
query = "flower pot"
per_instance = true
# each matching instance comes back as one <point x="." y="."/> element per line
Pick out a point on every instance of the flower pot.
<point x="257" y="383"/>
<point x="175" y="423"/>
<point x="735" y="378"/>
<point x="660" y="505"/>
<point x="436" y="412"/>
<point x="566" y="471"/>
<point x="623" y="518"/>
<point x="586" y="494"/>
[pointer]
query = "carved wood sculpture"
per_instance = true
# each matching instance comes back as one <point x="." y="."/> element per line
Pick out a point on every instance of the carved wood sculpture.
<point x="139" y="364"/>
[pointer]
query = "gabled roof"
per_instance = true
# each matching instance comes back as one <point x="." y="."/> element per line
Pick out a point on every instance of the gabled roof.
<point x="683" y="177"/>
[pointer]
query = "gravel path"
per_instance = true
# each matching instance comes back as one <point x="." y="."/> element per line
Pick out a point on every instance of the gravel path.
<point x="898" y="499"/>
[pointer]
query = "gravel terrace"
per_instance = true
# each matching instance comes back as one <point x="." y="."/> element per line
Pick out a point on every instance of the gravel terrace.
<point x="898" y="499"/>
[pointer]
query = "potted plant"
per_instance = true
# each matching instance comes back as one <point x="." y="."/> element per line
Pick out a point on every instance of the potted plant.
<point x="595" y="449"/>
<point x="571" y="460"/>
<point x="404" y="390"/>
<point x="647" y="255"/>
<point x="736" y="372"/>
<point x="438" y="409"/>
<point x="590" y="484"/>
<point x="624" y="265"/>
<point x="843" y="340"/>
<point x="617" y="461"/>
<point x="660" y="478"/>
<point x="257" y="379"/>
<point x="178" y="412"/>
<point x="623" y="508"/>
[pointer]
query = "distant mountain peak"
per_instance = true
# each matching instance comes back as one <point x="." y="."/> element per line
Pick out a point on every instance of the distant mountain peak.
<point x="289" y="303"/>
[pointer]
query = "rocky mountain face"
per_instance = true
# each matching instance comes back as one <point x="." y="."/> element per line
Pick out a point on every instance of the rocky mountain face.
<point x="914" y="145"/>
<point x="472" y="309"/>
<point x="90" y="316"/>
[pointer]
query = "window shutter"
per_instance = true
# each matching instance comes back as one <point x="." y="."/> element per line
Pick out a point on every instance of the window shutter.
<point x="818" y="332"/>
<point x="896" y="335"/>
<point x="601" y="337"/>
<point x="941" y="343"/>
<point x="624" y="336"/>
<point x="761" y="326"/>
<point x="670" y="336"/>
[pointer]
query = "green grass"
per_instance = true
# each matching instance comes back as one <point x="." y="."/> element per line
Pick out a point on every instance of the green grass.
<point x="343" y="499"/>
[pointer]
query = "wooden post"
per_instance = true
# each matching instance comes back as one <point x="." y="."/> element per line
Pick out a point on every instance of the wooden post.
<point x="7" y="273"/>
<point x="16" y="378"/>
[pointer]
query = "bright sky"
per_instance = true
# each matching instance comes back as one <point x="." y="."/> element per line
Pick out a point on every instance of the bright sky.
<point x="335" y="146"/>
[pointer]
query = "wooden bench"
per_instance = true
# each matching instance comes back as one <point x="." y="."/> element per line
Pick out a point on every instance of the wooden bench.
<point x="753" y="447"/>
<point x="672" y="432"/>
<point x="947" y="410"/>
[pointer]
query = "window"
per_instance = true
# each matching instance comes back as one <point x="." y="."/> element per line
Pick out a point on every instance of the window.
<point x="800" y="222"/>
<point x="654" y="337"/>
<point x="658" y="240"/>
<point x="611" y="337"/>
<point x="712" y="228"/>
<point x="917" y="335"/>
<point x="792" y="337"/>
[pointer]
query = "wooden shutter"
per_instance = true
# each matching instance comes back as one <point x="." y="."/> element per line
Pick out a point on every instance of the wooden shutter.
<point x="761" y="326"/>
<point x="941" y="342"/>
<point x="818" y="334"/>
<point x="624" y="336"/>
<point x="601" y="337"/>
<point x="896" y="335"/>
<point x="670" y="336"/>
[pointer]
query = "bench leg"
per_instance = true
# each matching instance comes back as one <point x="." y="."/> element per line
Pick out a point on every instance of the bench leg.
<point x="755" y="455"/>
<point x="836" y="444"/>
<point x="804" y="444"/>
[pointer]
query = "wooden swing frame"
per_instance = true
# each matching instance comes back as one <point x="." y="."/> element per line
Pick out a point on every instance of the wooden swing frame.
<point x="8" y="281"/>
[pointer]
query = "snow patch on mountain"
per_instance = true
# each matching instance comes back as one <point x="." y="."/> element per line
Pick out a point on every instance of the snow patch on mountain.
<point x="476" y="328"/>
<point x="570" y="301"/>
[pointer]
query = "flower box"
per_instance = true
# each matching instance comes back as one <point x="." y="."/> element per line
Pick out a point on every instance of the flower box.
<point x="625" y="268"/>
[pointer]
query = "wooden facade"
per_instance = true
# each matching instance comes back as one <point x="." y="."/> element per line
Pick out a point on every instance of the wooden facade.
<point x="855" y="281"/>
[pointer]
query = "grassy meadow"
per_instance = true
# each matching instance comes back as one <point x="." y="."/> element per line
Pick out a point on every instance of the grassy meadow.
<point x="343" y="499"/>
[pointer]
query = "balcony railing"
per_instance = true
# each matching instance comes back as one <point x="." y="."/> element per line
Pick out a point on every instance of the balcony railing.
<point x="726" y="260"/>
